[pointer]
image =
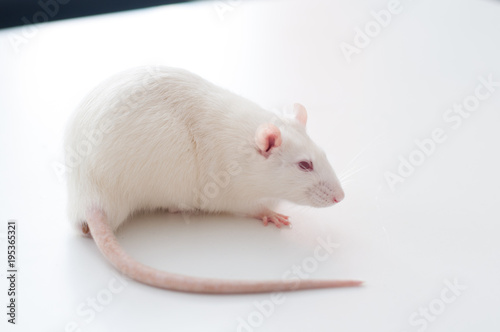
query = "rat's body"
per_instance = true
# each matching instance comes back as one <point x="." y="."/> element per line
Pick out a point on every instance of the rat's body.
<point x="168" y="139"/>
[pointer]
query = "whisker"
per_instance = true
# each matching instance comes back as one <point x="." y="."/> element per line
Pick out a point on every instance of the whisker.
<point x="363" y="150"/>
<point x="348" y="183"/>
<point x="350" y="165"/>
<point x="347" y="175"/>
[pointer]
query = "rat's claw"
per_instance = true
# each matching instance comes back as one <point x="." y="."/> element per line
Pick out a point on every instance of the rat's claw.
<point x="265" y="221"/>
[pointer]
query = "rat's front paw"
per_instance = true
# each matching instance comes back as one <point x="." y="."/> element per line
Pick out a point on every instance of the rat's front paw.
<point x="276" y="218"/>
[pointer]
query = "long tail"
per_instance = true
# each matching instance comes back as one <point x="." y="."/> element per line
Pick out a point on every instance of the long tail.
<point x="107" y="243"/>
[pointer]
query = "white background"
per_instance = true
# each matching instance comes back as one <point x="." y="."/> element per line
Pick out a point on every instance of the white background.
<point x="440" y="223"/>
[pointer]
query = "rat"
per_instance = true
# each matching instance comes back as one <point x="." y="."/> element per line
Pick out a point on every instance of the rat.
<point x="166" y="139"/>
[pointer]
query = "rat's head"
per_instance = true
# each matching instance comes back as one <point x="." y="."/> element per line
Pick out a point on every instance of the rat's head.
<point x="299" y="170"/>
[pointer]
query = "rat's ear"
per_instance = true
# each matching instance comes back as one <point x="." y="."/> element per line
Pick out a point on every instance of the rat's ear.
<point x="300" y="113"/>
<point x="267" y="136"/>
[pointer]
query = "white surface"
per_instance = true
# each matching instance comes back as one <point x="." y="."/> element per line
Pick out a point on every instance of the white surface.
<point x="440" y="223"/>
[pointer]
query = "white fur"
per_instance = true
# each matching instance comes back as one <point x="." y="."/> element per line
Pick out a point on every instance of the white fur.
<point x="164" y="138"/>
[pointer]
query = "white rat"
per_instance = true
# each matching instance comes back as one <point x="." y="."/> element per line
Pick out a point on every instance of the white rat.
<point x="168" y="139"/>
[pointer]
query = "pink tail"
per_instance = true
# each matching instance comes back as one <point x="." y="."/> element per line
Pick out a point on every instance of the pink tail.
<point x="107" y="243"/>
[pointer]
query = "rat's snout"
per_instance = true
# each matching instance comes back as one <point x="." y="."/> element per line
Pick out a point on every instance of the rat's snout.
<point x="324" y="194"/>
<point x="338" y="196"/>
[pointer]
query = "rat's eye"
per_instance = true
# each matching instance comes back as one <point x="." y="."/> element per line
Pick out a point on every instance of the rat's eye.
<point x="306" y="166"/>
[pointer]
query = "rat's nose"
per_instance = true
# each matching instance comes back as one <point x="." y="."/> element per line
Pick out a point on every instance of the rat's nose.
<point x="339" y="195"/>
